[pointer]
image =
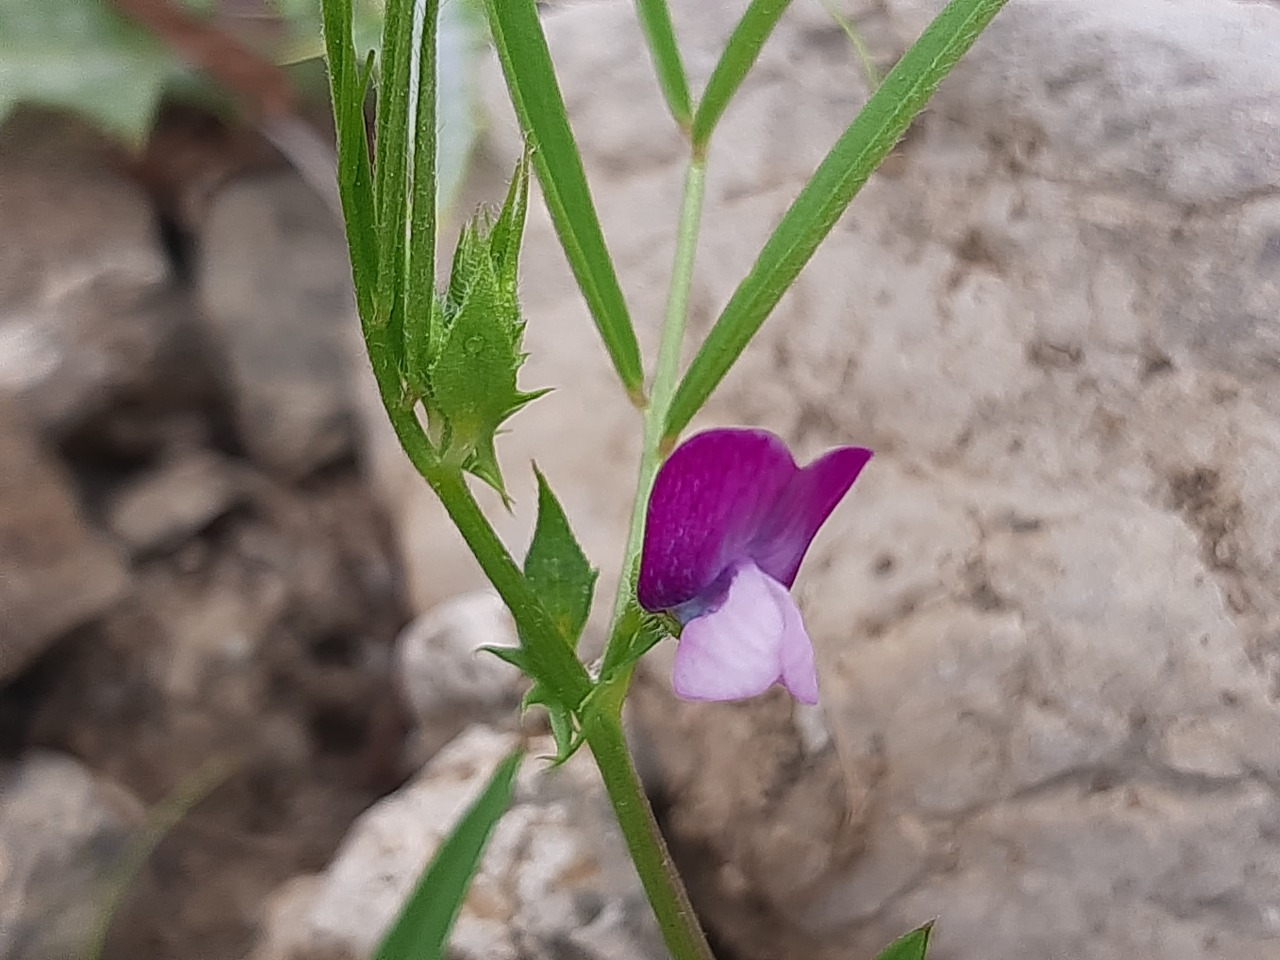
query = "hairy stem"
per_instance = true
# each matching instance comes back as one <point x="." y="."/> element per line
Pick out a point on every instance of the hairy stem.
<point x="543" y="643"/>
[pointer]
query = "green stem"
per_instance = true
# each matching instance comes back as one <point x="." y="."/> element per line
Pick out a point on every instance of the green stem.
<point x="676" y="919"/>
<point x="552" y="658"/>
<point x="664" y="384"/>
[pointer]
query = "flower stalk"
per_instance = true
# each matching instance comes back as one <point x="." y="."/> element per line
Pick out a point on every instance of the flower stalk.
<point x="603" y="729"/>
<point x="664" y="383"/>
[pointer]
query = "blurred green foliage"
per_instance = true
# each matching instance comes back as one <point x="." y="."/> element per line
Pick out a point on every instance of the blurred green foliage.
<point x="80" y="55"/>
<point x="85" y="57"/>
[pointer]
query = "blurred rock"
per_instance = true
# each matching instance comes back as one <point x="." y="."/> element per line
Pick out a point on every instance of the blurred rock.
<point x="1047" y="619"/>
<point x="555" y="881"/>
<point x="164" y="507"/>
<point x="63" y="834"/>
<point x="275" y="284"/>
<point x="265" y="639"/>
<point x="55" y="571"/>
<point x="448" y="681"/>
<point x="83" y="316"/>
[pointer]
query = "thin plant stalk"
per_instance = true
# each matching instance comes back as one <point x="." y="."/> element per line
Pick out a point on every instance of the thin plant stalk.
<point x="665" y="375"/>
<point x="603" y="728"/>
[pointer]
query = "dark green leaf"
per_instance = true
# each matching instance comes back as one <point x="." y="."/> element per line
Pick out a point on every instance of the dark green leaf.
<point x="655" y="18"/>
<point x="461" y="37"/>
<point x="910" y="947"/>
<point x="535" y="94"/>
<point x="739" y="54"/>
<point x="824" y="198"/>
<point x="557" y="568"/>
<point x="421" y="931"/>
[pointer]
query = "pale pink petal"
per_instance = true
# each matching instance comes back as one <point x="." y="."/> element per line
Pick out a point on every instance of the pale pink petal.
<point x="735" y="650"/>
<point x="799" y="675"/>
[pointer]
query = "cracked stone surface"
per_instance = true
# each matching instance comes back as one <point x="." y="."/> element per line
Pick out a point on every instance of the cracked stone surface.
<point x="1048" y="618"/>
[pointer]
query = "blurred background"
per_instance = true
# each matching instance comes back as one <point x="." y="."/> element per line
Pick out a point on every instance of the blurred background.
<point x="239" y="695"/>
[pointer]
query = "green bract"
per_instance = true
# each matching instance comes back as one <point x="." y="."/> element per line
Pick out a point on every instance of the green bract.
<point x="462" y="357"/>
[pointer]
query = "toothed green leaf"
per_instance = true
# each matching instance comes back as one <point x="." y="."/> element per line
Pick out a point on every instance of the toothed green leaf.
<point x="464" y="367"/>
<point x="508" y="229"/>
<point x="557" y="567"/>
<point x="913" y="946"/>
<point x="564" y="730"/>
<point x="512" y="655"/>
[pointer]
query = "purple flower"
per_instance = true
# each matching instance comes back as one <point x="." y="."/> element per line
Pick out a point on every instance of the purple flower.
<point x="730" y="519"/>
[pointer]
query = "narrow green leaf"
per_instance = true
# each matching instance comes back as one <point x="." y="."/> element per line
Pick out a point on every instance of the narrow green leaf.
<point x="507" y="235"/>
<point x="420" y="218"/>
<point x="824" y="198"/>
<point x="391" y="171"/>
<point x="557" y="568"/>
<point x="655" y="19"/>
<point x="910" y="947"/>
<point x="535" y="94"/>
<point x="739" y="55"/>
<point x="348" y="84"/>
<point x="421" y="931"/>
<point x="566" y="738"/>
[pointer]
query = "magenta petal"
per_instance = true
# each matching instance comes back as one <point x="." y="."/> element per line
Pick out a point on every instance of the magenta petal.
<point x="784" y="537"/>
<point x="708" y="503"/>
<point x="735" y="650"/>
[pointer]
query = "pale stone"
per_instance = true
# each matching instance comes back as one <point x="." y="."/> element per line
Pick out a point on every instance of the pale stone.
<point x="448" y="680"/>
<point x="63" y="836"/>
<point x="82" y="312"/>
<point x="164" y="507"/>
